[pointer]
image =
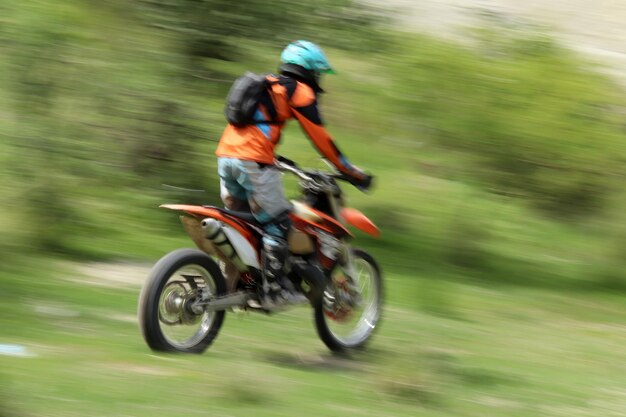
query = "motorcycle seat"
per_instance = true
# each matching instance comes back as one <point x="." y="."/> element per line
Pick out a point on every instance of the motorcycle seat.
<point x="246" y="216"/>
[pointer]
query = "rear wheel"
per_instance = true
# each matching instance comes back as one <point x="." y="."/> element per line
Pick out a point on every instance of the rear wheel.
<point x="349" y="310"/>
<point x="166" y="317"/>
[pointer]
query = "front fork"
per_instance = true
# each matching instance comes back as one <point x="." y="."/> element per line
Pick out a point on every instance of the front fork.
<point x="345" y="288"/>
<point x="346" y="260"/>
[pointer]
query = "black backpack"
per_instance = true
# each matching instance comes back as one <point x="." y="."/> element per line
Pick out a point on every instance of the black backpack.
<point x="244" y="97"/>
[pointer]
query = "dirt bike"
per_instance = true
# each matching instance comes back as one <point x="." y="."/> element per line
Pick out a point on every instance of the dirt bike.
<point x="183" y="302"/>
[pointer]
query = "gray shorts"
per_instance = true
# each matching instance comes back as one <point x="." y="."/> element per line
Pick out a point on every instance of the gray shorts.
<point x="249" y="184"/>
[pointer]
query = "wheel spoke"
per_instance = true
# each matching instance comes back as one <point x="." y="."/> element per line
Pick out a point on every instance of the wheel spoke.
<point x="191" y="280"/>
<point x="181" y="327"/>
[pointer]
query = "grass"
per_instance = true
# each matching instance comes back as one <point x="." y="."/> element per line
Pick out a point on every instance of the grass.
<point x="491" y="351"/>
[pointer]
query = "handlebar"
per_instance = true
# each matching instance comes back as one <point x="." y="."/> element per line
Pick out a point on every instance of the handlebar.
<point x="320" y="180"/>
<point x="285" y="164"/>
<point x="313" y="180"/>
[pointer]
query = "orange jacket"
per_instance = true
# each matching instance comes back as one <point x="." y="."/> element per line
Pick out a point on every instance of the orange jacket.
<point x="291" y="99"/>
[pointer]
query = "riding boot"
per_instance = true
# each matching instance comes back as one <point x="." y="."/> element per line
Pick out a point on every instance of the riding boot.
<point x="277" y="287"/>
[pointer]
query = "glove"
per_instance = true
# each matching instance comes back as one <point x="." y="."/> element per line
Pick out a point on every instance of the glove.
<point x="363" y="183"/>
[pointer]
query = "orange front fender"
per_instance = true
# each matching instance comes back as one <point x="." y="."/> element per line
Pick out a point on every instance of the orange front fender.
<point x="360" y="221"/>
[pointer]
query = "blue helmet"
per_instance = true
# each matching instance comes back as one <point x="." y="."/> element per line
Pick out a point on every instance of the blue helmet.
<point x="307" y="55"/>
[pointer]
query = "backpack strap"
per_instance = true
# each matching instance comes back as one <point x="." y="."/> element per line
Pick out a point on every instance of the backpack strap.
<point x="270" y="105"/>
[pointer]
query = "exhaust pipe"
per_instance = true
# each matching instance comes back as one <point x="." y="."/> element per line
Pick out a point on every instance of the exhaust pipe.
<point x="213" y="231"/>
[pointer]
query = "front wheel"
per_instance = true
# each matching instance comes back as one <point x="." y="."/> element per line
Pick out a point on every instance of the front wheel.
<point x="349" y="310"/>
<point x="166" y="317"/>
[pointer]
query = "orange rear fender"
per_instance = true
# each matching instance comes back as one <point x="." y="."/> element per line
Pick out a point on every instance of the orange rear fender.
<point x="203" y="212"/>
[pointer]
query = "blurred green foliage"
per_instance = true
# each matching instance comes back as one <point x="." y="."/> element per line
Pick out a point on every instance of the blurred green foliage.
<point x="118" y="94"/>
<point x="537" y="123"/>
<point x="216" y="28"/>
<point x="500" y="158"/>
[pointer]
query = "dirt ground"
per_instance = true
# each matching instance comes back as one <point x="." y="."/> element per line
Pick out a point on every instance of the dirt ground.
<point x="596" y="28"/>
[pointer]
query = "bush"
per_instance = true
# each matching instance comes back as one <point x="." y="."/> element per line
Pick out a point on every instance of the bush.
<point x="539" y="124"/>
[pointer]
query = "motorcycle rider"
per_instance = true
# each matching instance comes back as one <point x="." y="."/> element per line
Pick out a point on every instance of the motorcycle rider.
<point x="248" y="177"/>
